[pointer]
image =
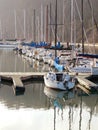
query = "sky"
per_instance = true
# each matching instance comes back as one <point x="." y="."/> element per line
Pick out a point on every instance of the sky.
<point x="7" y="16"/>
<point x="6" y="4"/>
<point x="7" y="8"/>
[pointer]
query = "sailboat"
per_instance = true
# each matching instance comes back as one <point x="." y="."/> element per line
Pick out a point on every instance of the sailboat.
<point x="58" y="80"/>
<point x="86" y="62"/>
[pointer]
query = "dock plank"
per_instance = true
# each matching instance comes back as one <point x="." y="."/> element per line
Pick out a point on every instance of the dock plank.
<point x="85" y="82"/>
<point x="17" y="81"/>
<point x="22" y="73"/>
<point x="84" y="89"/>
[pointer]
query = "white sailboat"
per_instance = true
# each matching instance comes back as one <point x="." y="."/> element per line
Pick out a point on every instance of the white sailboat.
<point x="59" y="80"/>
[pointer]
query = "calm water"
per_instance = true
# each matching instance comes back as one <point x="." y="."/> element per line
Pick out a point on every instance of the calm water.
<point x="11" y="62"/>
<point x="40" y="108"/>
<point x="43" y="109"/>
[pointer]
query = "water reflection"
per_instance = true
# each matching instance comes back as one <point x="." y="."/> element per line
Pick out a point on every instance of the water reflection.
<point x="79" y="109"/>
<point x="32" y="98"/>
<point x="11" y="62"/>
<point x="58" y="98"/>
<point x="60" y="110"/>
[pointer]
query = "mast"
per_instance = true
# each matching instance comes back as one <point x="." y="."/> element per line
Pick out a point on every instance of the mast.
<point x="42" y="24"/>
<point x="1" y="30"/>
<point x="34" y="27"/>
<point x="15" y="24"/>
<point x="63" y="19"/>
<point x="82" y="27"/>
<point x="55" y="28"/>
<point x="38" y="29"/>
<point x="24" y="24"/>
<point x="74" y="17"/>
<point x="93" y="29"/>
<point x="72" y="12"/>
<point x="47" y="23"/>
<point x="50" y="24"/>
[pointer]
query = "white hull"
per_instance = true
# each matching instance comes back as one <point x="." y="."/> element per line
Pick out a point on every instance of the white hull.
<point x="81" y="69"/>
<point x="55" y="84"/>
<point x="46" y="59"/>
<point x="8" y="46"/>
<point x="94" y="71"/>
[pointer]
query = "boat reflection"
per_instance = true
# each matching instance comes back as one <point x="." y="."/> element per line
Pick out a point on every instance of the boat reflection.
<point x="67" y="102"/>
<point x="58" y="100"/>
<point x="60" y="109"/>
<point x="58" y="97"/>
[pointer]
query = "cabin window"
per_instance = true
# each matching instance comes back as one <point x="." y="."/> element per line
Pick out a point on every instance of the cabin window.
<point x="59" y="77"/>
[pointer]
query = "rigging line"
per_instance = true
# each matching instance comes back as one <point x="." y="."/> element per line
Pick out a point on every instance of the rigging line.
<point x="92" y="12"/>
<point x="53" y="28"/>
<point x="93" y="21"/>
<point x="81" y="21"/>
<point x="89" y="2"/>
<point x="19" y="24"/>
<point x="54" y="34"/>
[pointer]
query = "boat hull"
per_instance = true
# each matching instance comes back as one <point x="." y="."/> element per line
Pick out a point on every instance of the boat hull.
<point x="54" y="84"/>
<point x="58" y="81"/>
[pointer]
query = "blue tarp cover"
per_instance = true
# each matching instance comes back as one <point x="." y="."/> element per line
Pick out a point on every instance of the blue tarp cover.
<point x="58" y="66"/>
<point x="34" y="44"/>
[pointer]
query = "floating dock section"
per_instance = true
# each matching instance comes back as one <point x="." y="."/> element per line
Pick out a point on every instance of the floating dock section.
<point x="84" y="89"/>
<point x="86" y="84"/>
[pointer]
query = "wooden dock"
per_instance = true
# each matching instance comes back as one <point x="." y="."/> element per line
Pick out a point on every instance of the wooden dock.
<point x="84" y="89"/>
<point x="17" y="78"/>
<point x="22" y="74"/>
<point x="83" y="81"/>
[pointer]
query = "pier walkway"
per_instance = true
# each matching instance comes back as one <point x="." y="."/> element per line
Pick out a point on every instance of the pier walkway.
<point x="22" y="74"/>
<point x="17" y="78"/>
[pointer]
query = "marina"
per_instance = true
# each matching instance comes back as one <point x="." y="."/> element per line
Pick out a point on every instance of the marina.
<point x="17" y="78"/>
<point x="23" y="89"/>
<point x="49" y="65"/>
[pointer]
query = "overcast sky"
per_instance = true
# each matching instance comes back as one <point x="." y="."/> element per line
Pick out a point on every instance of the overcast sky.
<point x="7" y="8"/>
<point x="6" y="4"/>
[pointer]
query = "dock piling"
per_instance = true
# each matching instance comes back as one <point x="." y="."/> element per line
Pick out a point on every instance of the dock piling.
<point x="18" y="86"/>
